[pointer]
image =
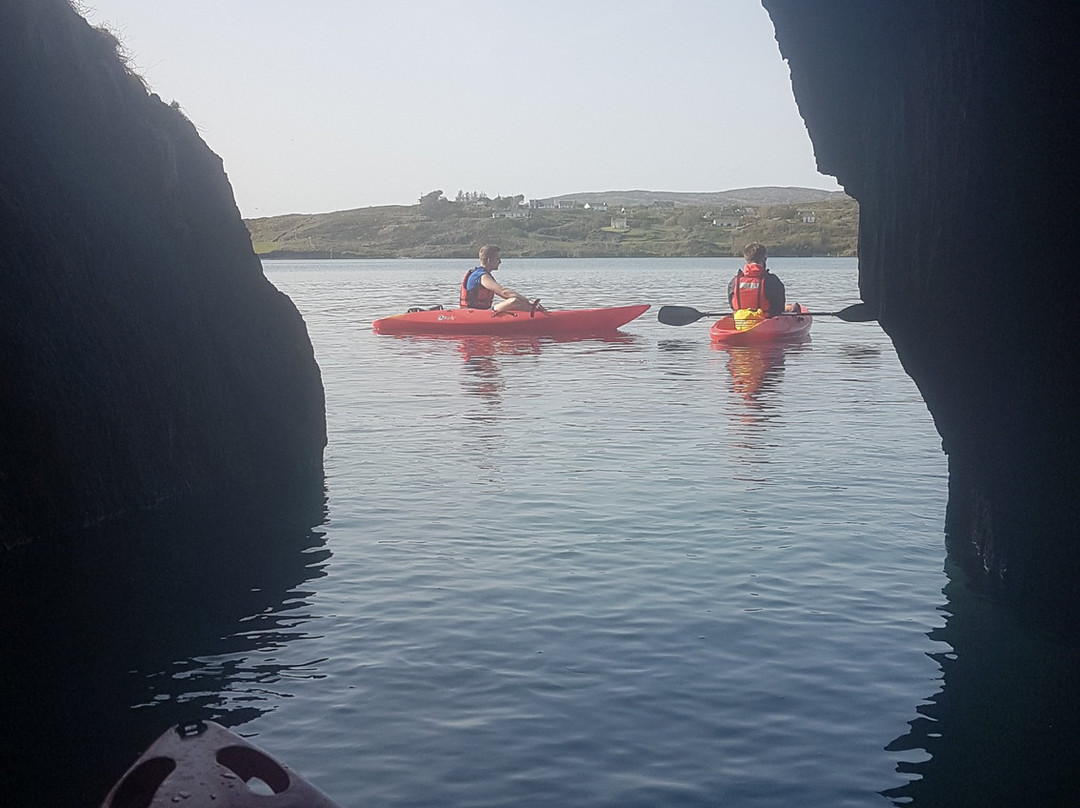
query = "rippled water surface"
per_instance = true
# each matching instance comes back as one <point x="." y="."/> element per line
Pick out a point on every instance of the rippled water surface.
<point x="634" y="571"/>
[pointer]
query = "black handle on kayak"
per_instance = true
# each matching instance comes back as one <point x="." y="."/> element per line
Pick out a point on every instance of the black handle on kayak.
<point x="684" y="315"/>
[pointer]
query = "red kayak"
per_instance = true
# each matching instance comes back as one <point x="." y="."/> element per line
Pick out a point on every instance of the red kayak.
<point x="562" y="322"/>
<point x="203" y="765"/>
<point x="786" y="326"/>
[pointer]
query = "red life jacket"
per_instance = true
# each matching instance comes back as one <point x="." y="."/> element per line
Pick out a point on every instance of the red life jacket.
<point x="479" y="297"/>
<point x="749" y="289"/>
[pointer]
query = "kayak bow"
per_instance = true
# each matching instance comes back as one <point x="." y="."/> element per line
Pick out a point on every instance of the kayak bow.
<point x="201" y="764"/>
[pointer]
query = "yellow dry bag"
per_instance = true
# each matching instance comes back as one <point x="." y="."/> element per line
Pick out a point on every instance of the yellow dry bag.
<point x="747" y="318"/>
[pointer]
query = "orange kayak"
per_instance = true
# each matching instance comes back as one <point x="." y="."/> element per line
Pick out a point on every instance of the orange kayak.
<point x="785" y="326"/>
<point x="559" y="322"/>
<point x="202" y="765"/>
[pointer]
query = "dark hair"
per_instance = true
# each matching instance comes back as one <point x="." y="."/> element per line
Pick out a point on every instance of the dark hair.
<point x="755" y="253"/>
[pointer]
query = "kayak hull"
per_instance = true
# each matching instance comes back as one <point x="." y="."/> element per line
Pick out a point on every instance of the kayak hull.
<point x="204" y="765"/>
<point x="560" y="322"/>
<point x="782" y="328"/>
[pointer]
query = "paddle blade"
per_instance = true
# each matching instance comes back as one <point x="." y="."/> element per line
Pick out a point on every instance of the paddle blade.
<point x="680" y="315"/>
<point x="859" y="313"/>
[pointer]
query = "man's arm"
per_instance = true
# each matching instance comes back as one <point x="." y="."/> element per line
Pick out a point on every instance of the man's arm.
<point x="775" y="294"/>
<point x="490" y="283"/>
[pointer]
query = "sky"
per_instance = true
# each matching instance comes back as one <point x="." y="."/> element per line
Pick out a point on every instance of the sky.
<point x="338" y="104"/>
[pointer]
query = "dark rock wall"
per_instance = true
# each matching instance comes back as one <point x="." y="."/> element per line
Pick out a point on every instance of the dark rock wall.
<point x="144" y="355"/>
<point x="953" y="124"/>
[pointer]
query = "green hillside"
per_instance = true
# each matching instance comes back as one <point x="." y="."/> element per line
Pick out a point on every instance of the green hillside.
<point x="565" y="227"/>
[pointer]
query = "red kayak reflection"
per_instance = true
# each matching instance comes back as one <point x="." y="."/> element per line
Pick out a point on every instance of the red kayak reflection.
<point x="477" y="345"/>
<point x="483" y="377"/>
<point x="483" y="355"/>
<point x="756" y="369"/>
<point x="480" y="345"/>
<point x="485" y="347"/>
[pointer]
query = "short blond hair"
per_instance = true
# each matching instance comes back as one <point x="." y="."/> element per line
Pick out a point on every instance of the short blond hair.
<point x="489" y="250"/>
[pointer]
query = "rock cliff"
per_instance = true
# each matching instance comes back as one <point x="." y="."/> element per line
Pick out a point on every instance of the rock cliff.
<point x="145" y="356"/>
<point x="953" y="126"/>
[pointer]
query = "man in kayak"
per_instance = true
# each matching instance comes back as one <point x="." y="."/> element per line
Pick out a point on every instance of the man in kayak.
<point x="479" y="287"/>
<point x="754" y="287"/>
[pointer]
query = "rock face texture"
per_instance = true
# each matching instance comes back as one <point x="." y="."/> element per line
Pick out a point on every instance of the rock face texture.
<point x="144" y="357"/>
<point x="953" y="125"/>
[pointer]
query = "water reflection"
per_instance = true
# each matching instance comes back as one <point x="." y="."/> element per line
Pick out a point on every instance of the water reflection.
<point x="114" y="635"/>
<point x="483" y="355"/>
<point x="483" y="376"/>
<point x="678" y="345"/>
<point x="756" y="371"/>
<point x="1004" y="727"/>
<point x="861" y="354"/>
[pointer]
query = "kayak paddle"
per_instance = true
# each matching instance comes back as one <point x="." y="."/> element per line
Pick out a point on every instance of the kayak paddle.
<point x="684" y="315"/>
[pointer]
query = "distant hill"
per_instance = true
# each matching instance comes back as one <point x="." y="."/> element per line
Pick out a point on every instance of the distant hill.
<point x="769" y="195"/>
<point x="791" y="221"/>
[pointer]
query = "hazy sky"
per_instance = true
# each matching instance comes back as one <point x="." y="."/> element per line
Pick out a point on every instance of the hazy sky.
<point x="336" y="104"/>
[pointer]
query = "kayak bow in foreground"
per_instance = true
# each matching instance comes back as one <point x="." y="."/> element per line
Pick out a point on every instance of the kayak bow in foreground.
<point x="201" y="764"/>
<point x="559" y="322"/>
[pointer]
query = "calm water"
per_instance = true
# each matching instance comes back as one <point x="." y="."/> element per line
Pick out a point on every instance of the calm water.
<point x="639" y="571"/>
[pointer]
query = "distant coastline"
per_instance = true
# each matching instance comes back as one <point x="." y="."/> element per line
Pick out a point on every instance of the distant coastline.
<point x="610" y="224"/>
